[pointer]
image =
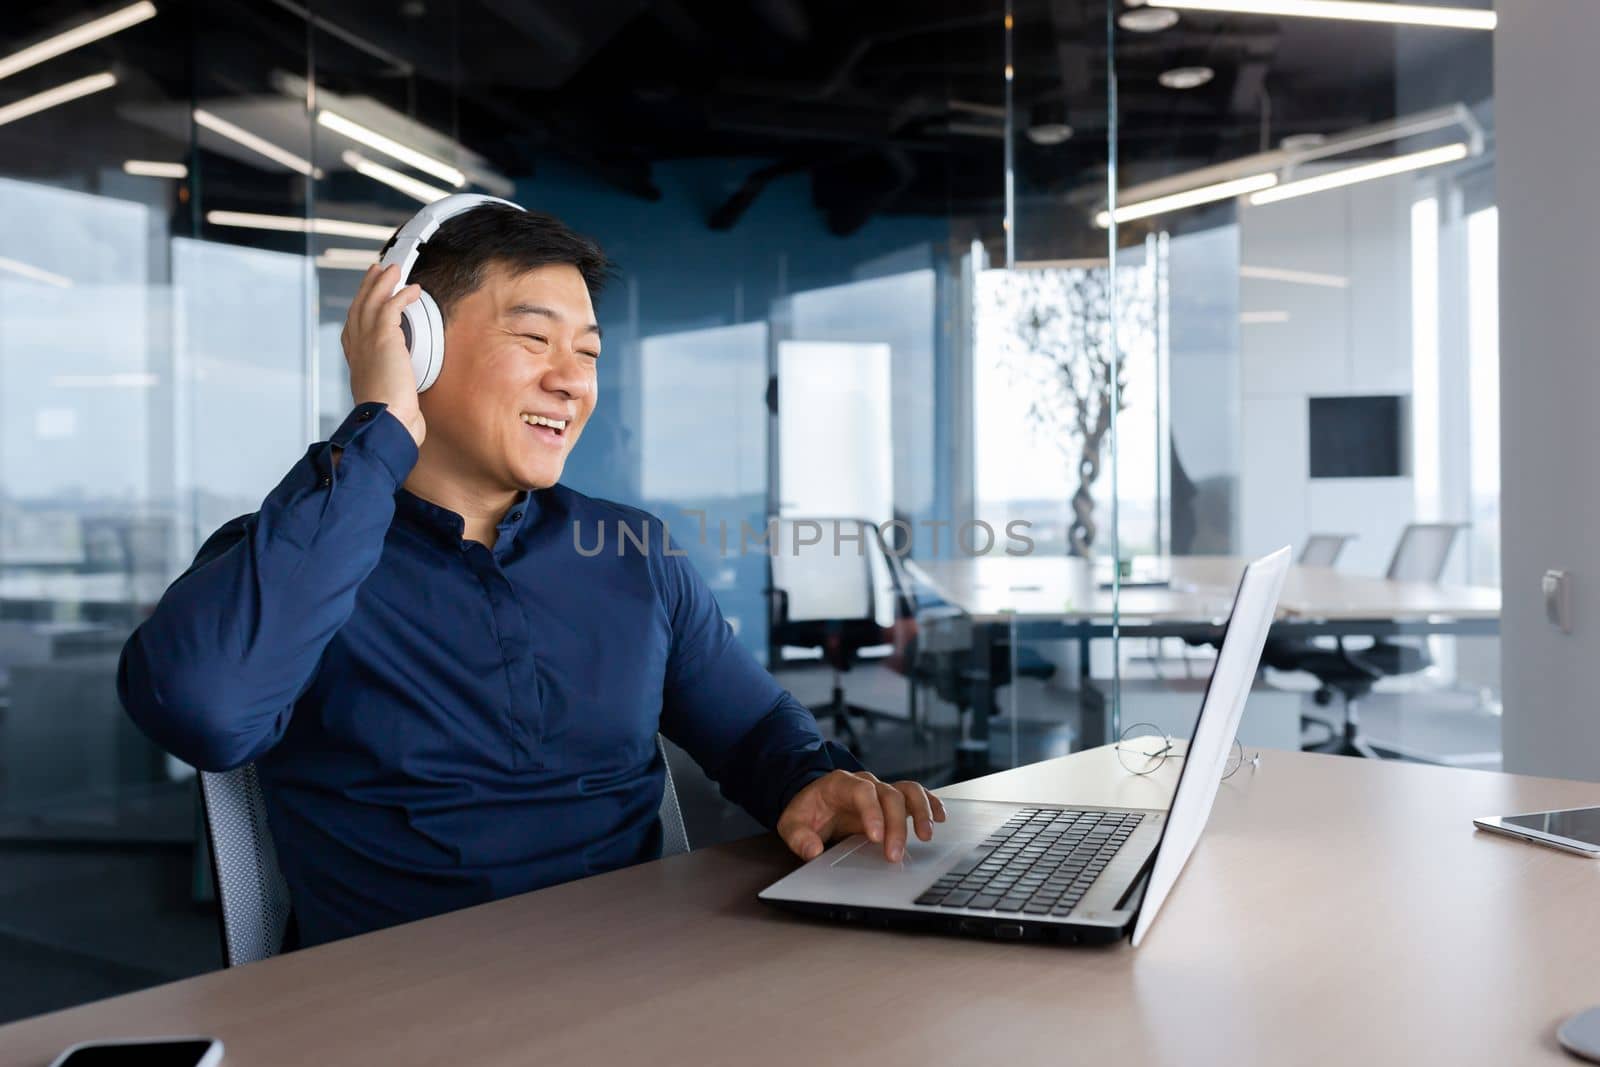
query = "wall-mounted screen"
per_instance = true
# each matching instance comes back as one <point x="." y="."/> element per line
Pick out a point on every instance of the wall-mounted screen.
<point x="1358" y="436"/>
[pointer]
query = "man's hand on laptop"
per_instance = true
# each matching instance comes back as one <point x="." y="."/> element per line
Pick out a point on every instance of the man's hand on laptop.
<point x="842" y="803"/>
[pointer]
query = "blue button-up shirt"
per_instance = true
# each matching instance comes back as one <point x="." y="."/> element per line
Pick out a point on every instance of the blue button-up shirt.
<point x="437" y="723"/>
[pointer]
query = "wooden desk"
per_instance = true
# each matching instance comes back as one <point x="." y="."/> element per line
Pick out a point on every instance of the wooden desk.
<point x="1339" y="911"/>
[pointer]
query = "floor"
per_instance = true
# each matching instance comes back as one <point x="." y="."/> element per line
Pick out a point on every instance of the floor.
<point x="85" y="919"/>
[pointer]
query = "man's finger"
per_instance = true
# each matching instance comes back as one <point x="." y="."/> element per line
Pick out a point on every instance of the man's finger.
<point x="382" y="290"/>
<point x="405" y="296"/>
<point x="803" y="842"/>
<point x="860" y="798"/>
<point x="358" y="303"/>
<point x="919" y="808"/>
<point x="938" y="806"/>
<point x="893" y="803"/>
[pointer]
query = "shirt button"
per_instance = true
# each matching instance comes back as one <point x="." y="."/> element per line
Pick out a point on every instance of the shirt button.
<point x="366" y="415"/>
<point x="324" y="481"/>
<point x="516" y="516"/>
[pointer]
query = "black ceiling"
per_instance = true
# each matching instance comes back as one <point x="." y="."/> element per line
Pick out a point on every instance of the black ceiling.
<point x="889" y="107"/>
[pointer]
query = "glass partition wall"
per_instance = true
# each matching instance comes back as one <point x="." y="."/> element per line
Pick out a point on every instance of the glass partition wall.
<point x="968" y="447"/>
<point x="188" y="196"/>
<point x="1312" y="201"/>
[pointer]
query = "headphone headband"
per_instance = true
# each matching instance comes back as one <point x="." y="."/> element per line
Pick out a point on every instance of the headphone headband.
<point x="425" y="223"/>
<point x="422" y="322"/>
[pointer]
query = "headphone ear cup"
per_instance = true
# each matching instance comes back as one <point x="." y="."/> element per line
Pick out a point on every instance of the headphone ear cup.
<point x="423" y="326"/>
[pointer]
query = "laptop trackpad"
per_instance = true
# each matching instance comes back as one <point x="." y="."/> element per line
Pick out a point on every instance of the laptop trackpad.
<point x="920" y="856"/>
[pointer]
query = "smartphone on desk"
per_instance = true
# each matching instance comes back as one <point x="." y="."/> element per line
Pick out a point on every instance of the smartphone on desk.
<point x="143" y="1052"/>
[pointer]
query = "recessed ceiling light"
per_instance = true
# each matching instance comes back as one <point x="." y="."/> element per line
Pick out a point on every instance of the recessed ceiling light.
<point x="1148" y="19"/>
<point x="1047" y="122"/>
<point x="1050" y="133"/>
<point x="1186" y="77"/>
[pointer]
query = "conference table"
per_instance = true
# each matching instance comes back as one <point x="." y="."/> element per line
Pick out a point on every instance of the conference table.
<point x="1008" y="599"/>
<point x="1337" y="911"/>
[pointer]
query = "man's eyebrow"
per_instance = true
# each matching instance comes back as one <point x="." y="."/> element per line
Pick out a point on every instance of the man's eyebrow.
<point x="517" y="310"/>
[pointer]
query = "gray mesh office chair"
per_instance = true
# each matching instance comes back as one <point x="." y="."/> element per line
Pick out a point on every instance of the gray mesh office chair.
<point x="1423" y="551"/>
<point x="1323" y="550"/>
<point x="1420" y="556"/>
<point x="836" y="594"/>
<point x="253" y="898"/>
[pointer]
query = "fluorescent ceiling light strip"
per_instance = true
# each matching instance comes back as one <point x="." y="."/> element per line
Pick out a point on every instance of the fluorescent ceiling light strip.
<point x="1254" y="318"/>
<point x="72" y="90"/>
<point x="339" y="264"/>
<point x="150" y="168"/>
<point x="392" y="178"/>
<point x="259" y="145"/>
<point x="1295" y="277"/>
<point x="1206" y="194"/>
<point x="1460" y="18"/>
<point x="347" y="258"/>
<point x="37" y="274"/>
<point x="1364" y="173"/>
<point x="391" y="148"/>
<point x="77" y="37"/>
<point x="294" y="224"/>
<point x="364" y="256"/>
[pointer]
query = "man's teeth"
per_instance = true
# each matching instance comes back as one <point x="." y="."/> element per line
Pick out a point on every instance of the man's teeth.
<point x="540" y="420"/>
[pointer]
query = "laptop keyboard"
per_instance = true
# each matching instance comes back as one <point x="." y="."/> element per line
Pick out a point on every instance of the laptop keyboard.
<point x="1040" y="862"/>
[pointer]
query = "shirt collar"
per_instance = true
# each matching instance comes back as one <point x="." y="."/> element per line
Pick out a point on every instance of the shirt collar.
<point x="448" y="527"/>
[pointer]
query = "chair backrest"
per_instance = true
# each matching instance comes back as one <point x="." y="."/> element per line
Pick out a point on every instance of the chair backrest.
<point x="252" y="896"/>
<point x="830" y="580"/>
<point x="1322" y="550"/>
<point x="1423" y="551"/>
<point x="674" y="834"/>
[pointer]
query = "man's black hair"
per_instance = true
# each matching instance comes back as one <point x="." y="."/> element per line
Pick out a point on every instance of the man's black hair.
<point x="452" y="262"/>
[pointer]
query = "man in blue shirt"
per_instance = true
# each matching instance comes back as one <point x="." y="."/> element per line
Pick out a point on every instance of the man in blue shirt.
<point x="447" y="701"/>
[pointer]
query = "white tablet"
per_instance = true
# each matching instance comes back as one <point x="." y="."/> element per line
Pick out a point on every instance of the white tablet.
<point x="1571" y="830"/>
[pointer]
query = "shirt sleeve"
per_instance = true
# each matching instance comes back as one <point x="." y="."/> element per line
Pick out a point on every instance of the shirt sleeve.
<point x="755" y="740"/>
<point x="214" y="673"/>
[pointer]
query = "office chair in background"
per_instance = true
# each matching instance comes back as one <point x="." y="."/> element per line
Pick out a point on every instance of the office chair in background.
<point x="253" y="898"/>
<point x="837" y="601"/>
<point x="1420" y="556"/>
<point x="1323" y="550"/>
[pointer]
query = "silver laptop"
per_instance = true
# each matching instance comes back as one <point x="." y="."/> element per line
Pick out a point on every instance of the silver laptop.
<point x="1047" y="871"/>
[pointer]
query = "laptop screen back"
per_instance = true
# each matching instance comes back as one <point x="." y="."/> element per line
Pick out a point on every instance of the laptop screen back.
<point x="1246" y="633"/>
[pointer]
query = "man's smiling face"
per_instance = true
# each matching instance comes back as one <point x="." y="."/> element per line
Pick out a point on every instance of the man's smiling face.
<point x="518" y="383"/>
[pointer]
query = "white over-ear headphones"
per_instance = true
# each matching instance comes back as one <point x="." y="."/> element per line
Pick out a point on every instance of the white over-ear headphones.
<point x="422" y="321"/>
